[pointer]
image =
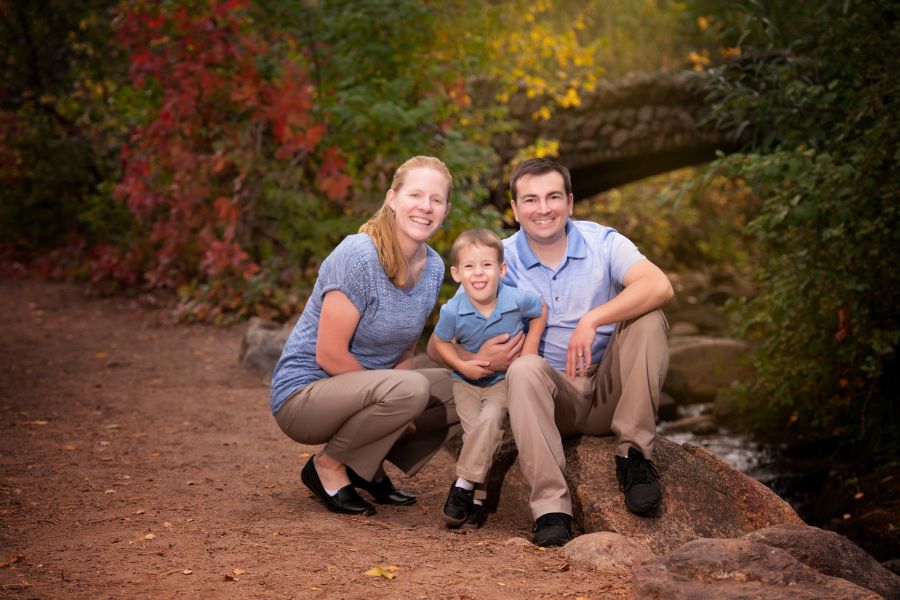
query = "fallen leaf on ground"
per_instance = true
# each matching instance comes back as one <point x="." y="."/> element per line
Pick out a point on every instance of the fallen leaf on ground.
<point x="139" y="511"/>
<point x="238" y="571"/>
<point x="12" y="559"/>
<point x="379" y="571"/>
<point x="70" y="447"/>
<point x="187" y="571"/>
<point x="114" y="426"/>
<point x="166" y="524"/>
<point x="109" y="491"/>
<point x="150" y="536"/>
<point x="38" y="422"/>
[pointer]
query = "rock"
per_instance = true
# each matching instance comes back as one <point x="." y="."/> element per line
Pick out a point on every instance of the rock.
<point x="707" y="318"/>
<point x="607" y="551"/>
<point x="699" y="425"/>
<point x="725" y="407"/>
<point x="262" y="344"/>
<point x="707" y="364"/>
<point x="702" y="496"/>
<point x="892" y="565"/>
<point x="737" y="568"/>
<point x="683" y="328"/>
<point x="831" y="554"/>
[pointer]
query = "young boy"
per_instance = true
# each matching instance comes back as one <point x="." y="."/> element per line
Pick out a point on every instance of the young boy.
<point x="486" y="310"/>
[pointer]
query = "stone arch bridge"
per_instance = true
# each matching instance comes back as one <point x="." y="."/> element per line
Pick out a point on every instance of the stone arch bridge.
<point x="641" y="125"/>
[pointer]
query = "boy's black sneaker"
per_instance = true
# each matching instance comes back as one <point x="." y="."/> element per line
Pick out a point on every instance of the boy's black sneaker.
<point x="639" y="479"/>
<point x="552" y="529"/>
<point x="476" y="517"/>
<point x="458" y="505"/>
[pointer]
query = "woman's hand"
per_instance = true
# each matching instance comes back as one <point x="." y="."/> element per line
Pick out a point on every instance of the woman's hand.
<point x="578" y="355"/>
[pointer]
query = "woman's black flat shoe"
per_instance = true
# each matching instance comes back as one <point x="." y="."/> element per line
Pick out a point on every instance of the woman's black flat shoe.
<point x="346" y="501"/>
<point x="383" y="490"/>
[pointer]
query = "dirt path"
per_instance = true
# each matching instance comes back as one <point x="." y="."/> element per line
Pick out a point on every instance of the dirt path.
<point x="140" y="461"/>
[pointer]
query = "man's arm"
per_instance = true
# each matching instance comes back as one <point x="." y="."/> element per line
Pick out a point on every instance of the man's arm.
<point x="495" y="354"/>
<point x="473" y="369"/>
<point x="646" y="288"/>
<point x="535" y="331"/>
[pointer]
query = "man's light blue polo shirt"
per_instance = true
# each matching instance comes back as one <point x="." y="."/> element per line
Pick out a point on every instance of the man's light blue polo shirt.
<point x="591" y="274"/>
<point x="461" y="321"/>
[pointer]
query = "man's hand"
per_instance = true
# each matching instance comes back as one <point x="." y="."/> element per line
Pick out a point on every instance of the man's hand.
<point x="498" y="352"/>
<point x="474" y="369"/>
<point x="578" y="355"/>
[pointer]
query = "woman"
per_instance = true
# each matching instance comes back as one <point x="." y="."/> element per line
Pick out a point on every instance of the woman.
<point x="343" y="378"/>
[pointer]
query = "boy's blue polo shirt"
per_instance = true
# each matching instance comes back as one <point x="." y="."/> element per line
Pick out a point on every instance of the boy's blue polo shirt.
<point x="591" y="274"/>
<point x="461" y="321"/>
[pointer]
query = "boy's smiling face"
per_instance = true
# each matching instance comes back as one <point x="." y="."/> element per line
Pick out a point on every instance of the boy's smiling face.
<point x="479" y="270"/>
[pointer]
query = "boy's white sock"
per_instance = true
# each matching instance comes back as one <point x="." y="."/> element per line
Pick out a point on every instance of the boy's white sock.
<point x="477" y="501"/>
<point x="464" y="484"/>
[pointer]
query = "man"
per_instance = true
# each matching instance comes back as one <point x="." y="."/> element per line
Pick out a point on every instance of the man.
<point x="604" y="349"/>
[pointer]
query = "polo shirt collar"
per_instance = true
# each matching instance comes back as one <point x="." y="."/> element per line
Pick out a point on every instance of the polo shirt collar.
<point x="575" y="246"/>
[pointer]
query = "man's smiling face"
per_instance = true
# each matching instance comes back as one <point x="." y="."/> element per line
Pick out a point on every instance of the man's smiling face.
<point x="542" y="207"/>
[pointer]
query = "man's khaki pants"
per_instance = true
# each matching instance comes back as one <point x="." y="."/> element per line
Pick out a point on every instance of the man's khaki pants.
<point x="362" y="416"/>
<point x="620" y="396"/>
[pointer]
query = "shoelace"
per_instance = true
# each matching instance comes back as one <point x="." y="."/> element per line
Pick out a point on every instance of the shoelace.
<point x="639" y="471"/>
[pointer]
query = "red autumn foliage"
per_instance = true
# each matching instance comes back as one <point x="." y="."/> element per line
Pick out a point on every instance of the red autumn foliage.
<point x="192" y="171"/>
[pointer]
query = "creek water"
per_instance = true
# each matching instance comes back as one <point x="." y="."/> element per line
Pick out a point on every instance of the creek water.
<point x="792" y="478"/>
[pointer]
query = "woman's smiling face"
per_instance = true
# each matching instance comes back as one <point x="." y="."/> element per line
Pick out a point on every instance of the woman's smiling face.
<point x="420" y="205"/>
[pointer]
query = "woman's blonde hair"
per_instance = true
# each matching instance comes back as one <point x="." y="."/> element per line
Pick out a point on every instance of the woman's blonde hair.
<point x="380" y="226"/>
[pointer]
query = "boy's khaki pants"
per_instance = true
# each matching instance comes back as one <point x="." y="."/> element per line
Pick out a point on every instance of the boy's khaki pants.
<point x="482" y="412"/>
<point x="619" y="396"/>
<point x="362" y="417"/>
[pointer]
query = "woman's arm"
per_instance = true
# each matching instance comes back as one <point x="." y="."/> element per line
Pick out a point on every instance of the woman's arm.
<point x="337" y="324"/>
<point x="535" y="331"/>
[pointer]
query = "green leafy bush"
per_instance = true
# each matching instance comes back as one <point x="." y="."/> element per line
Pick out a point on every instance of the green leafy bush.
<point x="825" y="159"/>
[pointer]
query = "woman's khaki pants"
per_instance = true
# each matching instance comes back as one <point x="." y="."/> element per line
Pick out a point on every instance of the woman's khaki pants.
<point x="361" y="417"/>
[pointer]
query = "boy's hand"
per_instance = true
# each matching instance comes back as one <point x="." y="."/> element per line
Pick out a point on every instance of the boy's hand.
<point x="475" y="369"/>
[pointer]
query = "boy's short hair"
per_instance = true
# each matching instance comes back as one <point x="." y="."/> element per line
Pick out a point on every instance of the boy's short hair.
<point x="476" y="237"/>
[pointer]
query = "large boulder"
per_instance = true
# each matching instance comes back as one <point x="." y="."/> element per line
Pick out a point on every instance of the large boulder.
<point x="702" y="496"/>
<point x="737" y="568"/>
<point x="831" y="554"/>
<point x="701" y="365"/>
<point x="262" y="344"/>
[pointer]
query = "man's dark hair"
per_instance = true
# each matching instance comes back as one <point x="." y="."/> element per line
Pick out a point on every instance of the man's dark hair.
<point x="539" y="166"/>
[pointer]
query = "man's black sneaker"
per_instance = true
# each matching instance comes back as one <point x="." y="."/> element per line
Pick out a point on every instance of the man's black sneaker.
<point x="552" y="529"/>
<point x="639" y="479"/>
<point x="457" y="506"/>
<point x="476" y="517"/>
